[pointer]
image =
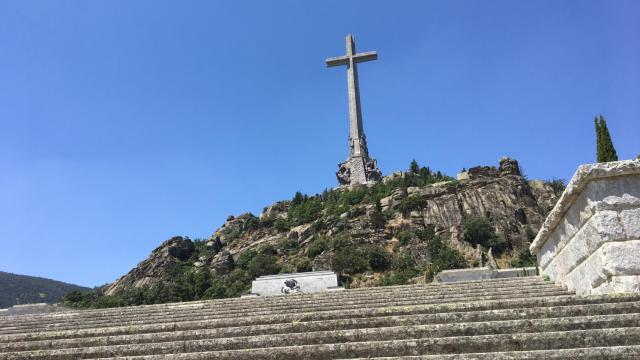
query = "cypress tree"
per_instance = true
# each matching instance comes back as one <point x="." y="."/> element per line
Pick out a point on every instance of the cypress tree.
<point x="605" y="150"/>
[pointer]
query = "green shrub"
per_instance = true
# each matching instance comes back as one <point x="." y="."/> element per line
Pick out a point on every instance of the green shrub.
<point x="237" y="282"/>
<point x="232" y="234"/>
<point x="410" y="203"/>
<point x="443" y="257"/>
<point x="217" y="290"/>
<point x="262" y="264"/>
<point x="303" y="264"/>
<point x="266" y="222"/>
<point x="252" y="223"/>
<point x="267" y="249"/>
<point x="523" y="258"/>
<point x="316" y="247"/>
<point x="403" y="262"/>
<point x="244" y="258"/>
<point x="404" y="268"/>
<point x="202" y="280"/>
<point x="288" y="246"/>
<point x="480" y="230"/>
<point x="394" y="278"/>
<point x="281" y="225"/>
<point x="349" y="260"/>
<point x="426" y="234"/>
<point x="377" y="258"/>
<point x="340" y="241"/>
<point x="305" y="210"/>
<point x="404" y="237"/>
<point x="74" y="296"/>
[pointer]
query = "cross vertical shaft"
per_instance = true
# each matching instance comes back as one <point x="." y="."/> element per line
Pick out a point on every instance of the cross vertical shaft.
<point x="355" y="114"/>
<point x="359" y="168"/>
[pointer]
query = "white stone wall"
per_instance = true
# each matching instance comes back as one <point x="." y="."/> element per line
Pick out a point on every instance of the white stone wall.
<point x="591" y="240"/>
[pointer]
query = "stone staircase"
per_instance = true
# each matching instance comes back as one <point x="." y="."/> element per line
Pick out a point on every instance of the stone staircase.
<point x="517" y="318"/>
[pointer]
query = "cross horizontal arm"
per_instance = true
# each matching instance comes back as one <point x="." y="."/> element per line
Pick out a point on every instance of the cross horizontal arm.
<point x="365" y="56"/>
<point x="337" y="61"/>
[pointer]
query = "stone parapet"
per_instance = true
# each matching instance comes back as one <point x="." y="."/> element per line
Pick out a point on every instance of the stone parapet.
<point x="590" y="242"/>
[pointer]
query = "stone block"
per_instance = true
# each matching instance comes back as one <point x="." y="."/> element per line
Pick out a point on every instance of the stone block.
<point x="613" y="259"/>
<point x="282" y="284"/>
<point x="631" y="220"/>
<point x="619" y="284"/>
<point x="602" y="227"/>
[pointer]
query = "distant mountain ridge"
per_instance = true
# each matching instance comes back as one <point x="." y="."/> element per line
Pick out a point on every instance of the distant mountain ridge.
<point x="22" y="289"/>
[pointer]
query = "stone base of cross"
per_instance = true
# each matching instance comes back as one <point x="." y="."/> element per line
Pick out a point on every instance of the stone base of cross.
<point x="358" y="170"/>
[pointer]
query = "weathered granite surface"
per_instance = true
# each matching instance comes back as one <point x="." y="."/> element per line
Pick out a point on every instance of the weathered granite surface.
<point x="590" y="241"/>
<point x="154" y="268"/>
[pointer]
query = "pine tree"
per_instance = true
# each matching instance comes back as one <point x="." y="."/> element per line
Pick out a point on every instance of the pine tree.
<point x="605" y="150"/>
<point x="414" y="168"/>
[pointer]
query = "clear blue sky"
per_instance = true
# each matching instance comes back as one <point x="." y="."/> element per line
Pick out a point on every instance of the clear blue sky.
<point x="123" y="123"/>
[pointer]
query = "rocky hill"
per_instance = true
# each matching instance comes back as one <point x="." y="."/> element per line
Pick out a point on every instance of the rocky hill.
<point x="401" y="230"/>
<point x="22" y="289"/>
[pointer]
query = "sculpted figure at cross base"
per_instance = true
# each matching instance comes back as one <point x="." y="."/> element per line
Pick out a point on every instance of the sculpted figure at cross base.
<point x="359" y="167"/>
<point x="344" y="173"/>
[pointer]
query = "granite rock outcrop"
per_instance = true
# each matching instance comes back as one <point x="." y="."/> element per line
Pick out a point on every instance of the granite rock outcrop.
<point x="515" y="206"/>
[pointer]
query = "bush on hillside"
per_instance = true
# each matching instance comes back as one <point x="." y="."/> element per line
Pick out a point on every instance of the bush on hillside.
<point x="316" y="247"/>
<point x="303" y="265"/>
<point x="523" y="258"/>
<point x="410" y="203"/>
<point x="281" y="225"/>
<point x="404" y="237"/>
<point x="377" y="257"/>
<point x="349" y="260"/>
<point x="443" y="257"/>
<point x="480" y="230"/>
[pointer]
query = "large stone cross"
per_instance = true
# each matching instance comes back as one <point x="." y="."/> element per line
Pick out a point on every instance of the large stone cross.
<point x="359" y="168"/>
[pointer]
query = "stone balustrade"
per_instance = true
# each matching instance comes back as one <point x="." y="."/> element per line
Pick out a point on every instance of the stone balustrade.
<point x="590" y="242"/>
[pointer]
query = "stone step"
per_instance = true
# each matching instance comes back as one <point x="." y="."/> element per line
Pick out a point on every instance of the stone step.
<point x="254" y="338"/>
<point x="85" y="323"/>
<point x="442" y="312"/>
<point x="590" y="353"/>
<point x="295" y="305"/>
<point x="284" y="323"/>
<point x="366" y="293"/>
<point x="445" y="345"/>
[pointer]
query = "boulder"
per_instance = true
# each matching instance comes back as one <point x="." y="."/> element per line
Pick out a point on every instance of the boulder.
<point x="477" y="172"/>
<point x="222" y="263"/>
<point x="509" y="166"/>
<point x="180" y="248"/>
<point x="277" y="210"/>
<point x="215" y="245"/>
